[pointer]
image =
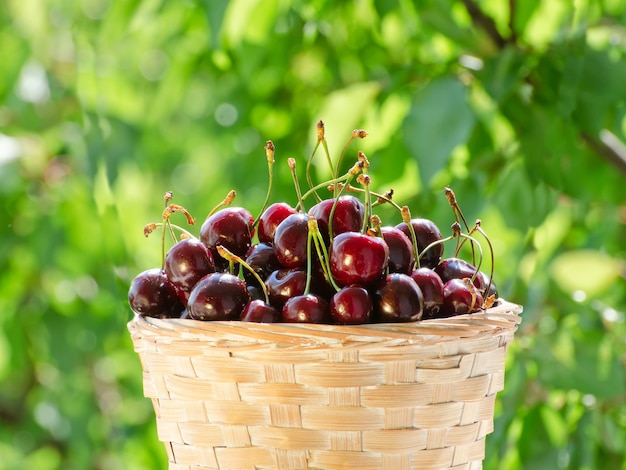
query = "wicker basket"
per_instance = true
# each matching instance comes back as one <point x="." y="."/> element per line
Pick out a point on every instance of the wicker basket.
<point x="234" y="395"/>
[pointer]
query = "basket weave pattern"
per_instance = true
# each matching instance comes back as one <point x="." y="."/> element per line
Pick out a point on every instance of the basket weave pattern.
<point x="234" y="395"/>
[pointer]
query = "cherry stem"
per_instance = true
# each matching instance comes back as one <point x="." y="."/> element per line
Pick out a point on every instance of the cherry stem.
<point x="354" y="171"/>
<point x="232" y="258"/>
<point x="365" y="181"/>
<point x="322" y="253"/>
<point x="149" y="228"/>
<point x="292" y="167"/>
<point x="167" y="213"/>
<point x="269" y="153"/>
<point x="435" y="243"/>
<point x="480" y="252"/>
<point x="227" y="201"/>
<point x="308" y="172"/>
<point x="356" y="133"/>
<point x="478" y="228"/>
<point x="380" y="198"/>
<point x="458" y="213"/>
<point x="406" y="218"/>
<point x="331" y="184"/>
<point x="309" y="260"/>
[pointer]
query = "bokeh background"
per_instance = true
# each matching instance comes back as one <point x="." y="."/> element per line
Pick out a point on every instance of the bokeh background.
<point x="519" y="106"/>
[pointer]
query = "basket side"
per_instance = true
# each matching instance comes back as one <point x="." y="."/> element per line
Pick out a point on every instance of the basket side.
<point x="380" y="403"/>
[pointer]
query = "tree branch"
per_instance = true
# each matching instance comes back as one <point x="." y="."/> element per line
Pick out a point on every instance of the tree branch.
<point x="609" y="147"/>
<point x="480" y="19"/>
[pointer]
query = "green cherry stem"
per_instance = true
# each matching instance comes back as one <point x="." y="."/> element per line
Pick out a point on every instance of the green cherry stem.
<point x="294" y="177"/>
<point x="406" y="218"/>
<point x="356" y="133"/>
<point x="227" y="201"/>
<point x="233" y="258"/>
<point x="322" y="253"/>
<point x="478" y="228"/>
<point x="269" y="154"/>
<point x="365" y="180"/>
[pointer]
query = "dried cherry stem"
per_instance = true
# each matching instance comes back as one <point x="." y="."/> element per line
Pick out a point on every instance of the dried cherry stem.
<point x="356" y="133"/>
<point x="227" y="201"/>
<point x="479" y="229"/>
<point x="458" y="215"/>
<point x="365" y="180"/>
<point x="322" y="252"/>
<point x="233" y="258"/>
<point x="149" y="228"/>
<point x="380" y="198"/>
<point x="167" y="213"/>
<point x="294" y="176"/>
<point x="406" y="218"/>
<point x="269" y="154"/>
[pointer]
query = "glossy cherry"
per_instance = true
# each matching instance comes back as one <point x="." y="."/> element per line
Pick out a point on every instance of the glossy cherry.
<point x="290" y="240"/>
<point x="229" y="227"/>
<point x="357" y="258"/>
<point x="187" y="262"/>
<point x="308" y="308"/>
<point x="398" y="299"/>
<point x="352" y="305"/>
<point x="460" y="297"/>
<point x="259" y="312"/>
<point x="401" y="258"/>
<point x="271" y="218"/>
<point x="458" y="268"/>
<point x="151" y="294"/>
<point x="426" y="232"/>
<point x="218" y="296"/>
<point x="262" y="259"/>
<point x="431" y="286"/>
<point x="347" y="216"/>
<point x="285" y="283"/>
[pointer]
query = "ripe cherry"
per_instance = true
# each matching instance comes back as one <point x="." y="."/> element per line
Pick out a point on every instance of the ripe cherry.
<point x="401" y="258"/>
<point x="218" y="296"/>
<point x="347" y="216"/>
<point x="259" y="312"/>
<point x="357" y="258"/>
<point x="187" y="262"/>
<point x="229" y="227"/>
<point x="262" y="259"/>
<point x="431" y="286"/>
<point x="290" y="240"/>
<point x="271" y="218"/>
<point x="458" y="268"/>
<point x="398" y="299"/>
<point x="460" y="297"/>
<point x="352" y="305"/>
<point x="285" y="283"/>
<point x="426" y="232"/>
<point x="151" y="294"/>
<point x="307" y="308"/>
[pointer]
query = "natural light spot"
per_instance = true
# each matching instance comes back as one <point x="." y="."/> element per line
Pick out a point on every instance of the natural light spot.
<point x="10" y="149"/>
<point x="154" y="64"/>
<point x="32" y="85"/>
<point x="226" y="114"/>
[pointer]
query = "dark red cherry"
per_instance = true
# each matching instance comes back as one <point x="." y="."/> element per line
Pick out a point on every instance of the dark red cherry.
<point x="218" y="296"/>
<point x="401" y="258"/>
<point x="348" y="215"/>
<point x="426" y="232"/>
<point x="271" y="218"/>
<point x="283" y="284"/>
<point x="309" y="308"/>
<point x="357" y="258"/>
<point x="352" y="305"/>
<point x="151" y="294"/>
<point x="460" y="297"/>
<point x="398" y="299"/>
<point x="458" y="268"/>
<point x="187" y="262"/>
<point x="259" y="312"/>
<point x="229" y="227"/>
<point x="290" y="240"/>
<point x="262" y="259"/>
<point x="431" y="286"/>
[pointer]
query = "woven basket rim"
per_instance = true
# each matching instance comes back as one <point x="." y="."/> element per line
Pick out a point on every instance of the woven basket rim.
<point x="504" y="316"/>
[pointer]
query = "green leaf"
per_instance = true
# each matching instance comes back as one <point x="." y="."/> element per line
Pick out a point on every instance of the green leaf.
<point x="440" y="119"/>
<point x="590" y="271"/>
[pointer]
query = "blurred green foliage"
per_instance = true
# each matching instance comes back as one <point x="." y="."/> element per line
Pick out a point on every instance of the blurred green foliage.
<point x="519" y="106"/>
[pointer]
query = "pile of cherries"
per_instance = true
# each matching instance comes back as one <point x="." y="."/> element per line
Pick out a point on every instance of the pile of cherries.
<point x="333" y="263"/>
